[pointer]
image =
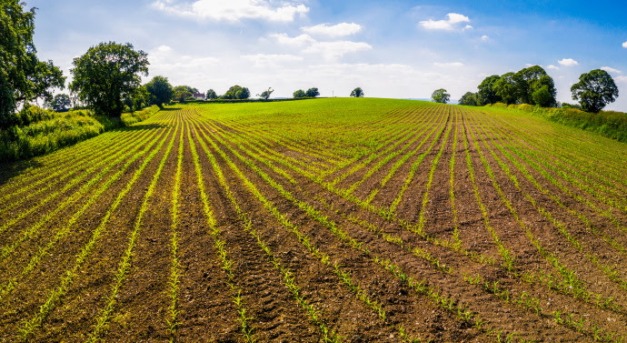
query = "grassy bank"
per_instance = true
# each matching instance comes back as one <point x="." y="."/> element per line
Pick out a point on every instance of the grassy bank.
<point x="606" y="123"/>
<point x="38" y="131"/>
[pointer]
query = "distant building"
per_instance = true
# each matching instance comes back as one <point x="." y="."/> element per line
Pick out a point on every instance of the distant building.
<point x="199" y="96"/>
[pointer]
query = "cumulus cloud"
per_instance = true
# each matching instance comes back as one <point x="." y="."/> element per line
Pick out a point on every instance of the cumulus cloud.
<point x="568" y="62"/>
<point x="266" y="60"/>
<point x="332" y="50"/>
<point x="166" y="61"/>
<point x="625" y="45"/>
<point x="552" y="67"/>
<point x="448" y="64"/>
<point x="485" y="38"/>
<point x="611" y="70"/>
<point x="297" y="41"/>
<point x="454" y="21"/>
<point x="337" y="30"/>
<point x="232" y="10"/>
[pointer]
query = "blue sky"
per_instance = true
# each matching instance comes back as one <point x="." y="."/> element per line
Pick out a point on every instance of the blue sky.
<point x="394" y="48"/>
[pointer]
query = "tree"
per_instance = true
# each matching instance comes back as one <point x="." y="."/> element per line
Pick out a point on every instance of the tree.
<point x="594" y="90"/>
<point x="469" y="99"/>
<point x="507" y="88"/>
<point x="487" y="93"/>
<point x="137" y="99"/>
<point x="107" y="74"/>
<point x="312" y="92"/>
<point x="22" y="76"/>
<point x="535" y="87"/>
<point x="265" y="95"/>
<point x="237" y="92"/>
<point x="211" y="95"/>
<point x="299" y="94"/>
<point x="440" y="96"/>
<point x="182" y="93"/>
<point x="160" y="91"/>
<point x="357" y="93"/>
<point x="60" y="102"/>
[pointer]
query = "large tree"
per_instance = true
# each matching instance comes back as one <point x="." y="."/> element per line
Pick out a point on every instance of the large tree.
<point x="298" y="94"/>
<point x="469" y="99"/>
<point x="22" y="76"/>
<point x="535" y="87"/>
<point x="487" y="94"/>
<point x="182" y="93"/>
<point x="594" y="90"/>
<point x="506" y="88"/>
<point x="357" y="93"/>
<point x="60" y="102"/>
<point x="237" y="92"/>
<point x="107" y="74"/>
<point x="211" y="95"/>
<point x="440" y="96"/>
<point x="312" y="92"/>
<point x="160" y="91"/>
<point x="265" y="95"/>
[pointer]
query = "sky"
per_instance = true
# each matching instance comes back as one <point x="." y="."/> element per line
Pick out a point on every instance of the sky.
<point x="392" y="48"/>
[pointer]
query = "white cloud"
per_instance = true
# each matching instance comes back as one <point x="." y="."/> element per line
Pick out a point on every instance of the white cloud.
<point x="166" y="61"/>
<point x="232" y="10"/>
<point x="454" y="22"/>
<point x="298" y="41"/>
<point x="485" y="38"/>
<point x="448" y="64"/>
<point x="552" y="67"/>
<point x="568" y="62"/>
<point x="621" y="79"/>
<point x="332" y="50"/>
<point x="338" y="30"/>
<point x="335" y="50"/>
<point x="625" y="45"/>
<point x="265" y="60"/>
<point x="611" y="70"/>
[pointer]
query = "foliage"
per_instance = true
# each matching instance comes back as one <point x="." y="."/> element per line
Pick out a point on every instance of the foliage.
<point x="160" y="91"/>
<point x="487" y="93"/>
<point x="45" y="131"/>
<point x="265" y="95"/>
<point x="357" y="93"/>
<point x="60" y="103"/>
<point x="299" y="94"/>
<point x="183" y="93"/>
<point x="137" y="99"/>
<point x="535" y="87"/>
<point x="506" y="88"/>
<point x="211" y="95"/>
<point x="107" y="74"/>
<point x="22" y="76"/>
<point x="312" y="92"/>
<point x="469" y="99"/>
<point x="129" y="119"/>
<point x="237" y="92"/>
<point x="440" y="96"/>
<point x="606" y="123"/>
<point x="594" y="90"/>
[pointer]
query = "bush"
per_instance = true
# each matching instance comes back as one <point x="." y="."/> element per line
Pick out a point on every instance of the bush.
<point x="47" y="131"/>
<point x="129" y="119"/>
<point x="606" y="123"/>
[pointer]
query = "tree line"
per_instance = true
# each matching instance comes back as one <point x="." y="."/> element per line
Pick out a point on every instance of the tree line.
<point x="534" y="86"/>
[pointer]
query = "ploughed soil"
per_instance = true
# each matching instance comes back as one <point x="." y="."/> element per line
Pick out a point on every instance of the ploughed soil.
<point x="454" y="228"/>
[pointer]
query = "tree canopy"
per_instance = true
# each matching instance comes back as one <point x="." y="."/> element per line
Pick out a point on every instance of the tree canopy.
<point x="22" y="76"/>
<point x="469" y="99"/>
<point x="535" y="87"/>
<point x="160" y="91"/>
<point x="211" y="95"/>
<point x="107" y="74"/>
<point x="312" y="92"/>
<point x="357" y="93"/>
<point x="299" y="94"/>
<point x="594" y="90"/>
<point x="60" y="102"/>
<point x="487" y="93"/>
<point x="265" y="95"/>
<point x="440" y="96"/>
<point x="237" y="92"/>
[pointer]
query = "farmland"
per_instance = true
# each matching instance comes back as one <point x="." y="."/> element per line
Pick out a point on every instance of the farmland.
<point x="319" y="220"/>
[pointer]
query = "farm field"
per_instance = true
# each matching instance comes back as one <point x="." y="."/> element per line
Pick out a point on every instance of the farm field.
<point x="335" y="220"/>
